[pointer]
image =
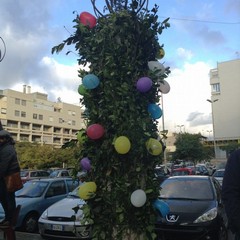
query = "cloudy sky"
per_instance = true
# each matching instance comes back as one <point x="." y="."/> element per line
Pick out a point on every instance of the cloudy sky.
<point x="202" y="33"/>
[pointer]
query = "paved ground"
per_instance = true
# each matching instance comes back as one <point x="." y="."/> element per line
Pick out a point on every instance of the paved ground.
<point x="29" y="236"/>
<point x="24" y="236"/>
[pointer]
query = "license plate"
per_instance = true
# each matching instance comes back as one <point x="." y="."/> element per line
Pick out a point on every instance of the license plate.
<point x="57" y="227"/>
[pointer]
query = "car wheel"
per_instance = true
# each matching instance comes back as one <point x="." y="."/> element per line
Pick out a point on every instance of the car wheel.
<point x="30" y="223"/>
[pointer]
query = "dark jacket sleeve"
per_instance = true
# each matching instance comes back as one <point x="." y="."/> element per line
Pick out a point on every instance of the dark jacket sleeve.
<point x="8" y="160"/>
<point x="231" y="190"/>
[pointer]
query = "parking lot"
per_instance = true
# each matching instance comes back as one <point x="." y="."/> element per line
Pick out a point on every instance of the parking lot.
<point x="23" y="236"/>
<point x="29" y="236"/>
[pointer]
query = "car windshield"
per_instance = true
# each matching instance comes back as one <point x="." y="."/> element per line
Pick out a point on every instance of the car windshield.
<point x="180" y="172"/>
<point x="219" y="173"/>
<point x="194" y="189"/>
<point x="23" y="173"/>
<point x="32" y="189"/>
<point x="54" y="174"/>
<point x="74" y="193"/>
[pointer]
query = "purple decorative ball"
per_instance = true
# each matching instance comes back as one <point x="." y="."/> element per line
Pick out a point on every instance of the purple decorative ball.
<point x="144" y="84"/>
<point x="85" y="164"/>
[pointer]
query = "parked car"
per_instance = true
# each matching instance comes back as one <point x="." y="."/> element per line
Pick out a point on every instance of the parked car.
<point x="196" y="209"/>
<point x="27" y="175"/>
<point x="183" y="171"/>
<point x="219" y="174"/>
<point x="161" y="173"/>
<point x="60" y="221"/>
<point x="60" y="173"/>
<point x="201" y="170"/>
<point x="36" y="196"/>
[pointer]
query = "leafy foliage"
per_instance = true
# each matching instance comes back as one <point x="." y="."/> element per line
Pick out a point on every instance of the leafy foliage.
<point x="119" y="48"/>
<point x="34" y="156"/>
<point x="189" y="147"/>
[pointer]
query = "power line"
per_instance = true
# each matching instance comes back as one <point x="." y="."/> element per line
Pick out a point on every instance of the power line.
<point x="203" y="21"/>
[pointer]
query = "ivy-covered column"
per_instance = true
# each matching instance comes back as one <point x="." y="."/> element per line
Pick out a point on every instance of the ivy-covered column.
<point x="121" y="94"/>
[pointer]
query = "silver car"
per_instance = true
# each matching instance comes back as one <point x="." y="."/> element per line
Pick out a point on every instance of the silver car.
<point x="62" y="222"/>
<point x="219" y="174"/>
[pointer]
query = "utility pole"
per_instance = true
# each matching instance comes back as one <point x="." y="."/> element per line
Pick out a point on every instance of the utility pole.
<point x="214" y="141"/>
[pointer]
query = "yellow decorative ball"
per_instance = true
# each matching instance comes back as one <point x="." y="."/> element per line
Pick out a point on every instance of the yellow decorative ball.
<point x="161" y="53"/>
<point x="154" y="147"/>
<point x="122" y="145"/>
<point x="87" y="190"/>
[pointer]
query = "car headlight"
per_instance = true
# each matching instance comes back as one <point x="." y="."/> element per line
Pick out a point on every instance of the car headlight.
<point x="207" y="216"/>
<point x="44" y="215"/>
<point x="79" y="217"/>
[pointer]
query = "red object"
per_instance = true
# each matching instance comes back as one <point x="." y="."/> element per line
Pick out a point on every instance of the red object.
<point x="182" y="171"/>
<point x="87" y="19"/>
<point x="95" y="131"/>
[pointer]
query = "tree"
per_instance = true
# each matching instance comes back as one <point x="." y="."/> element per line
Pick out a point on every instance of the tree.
<point x="189" y="147"/>
<point x="34" y="156"/>
<point x="119" y="48"/>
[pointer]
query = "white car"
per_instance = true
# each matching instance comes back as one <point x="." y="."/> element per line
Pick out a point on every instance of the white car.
<point x="62" y="222"/>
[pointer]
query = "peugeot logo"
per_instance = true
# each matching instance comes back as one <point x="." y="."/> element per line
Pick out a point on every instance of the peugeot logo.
<point x="172" y="218"/>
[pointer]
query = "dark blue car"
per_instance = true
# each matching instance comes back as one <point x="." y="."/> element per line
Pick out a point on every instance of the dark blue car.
<point x="36" y="196"/>
<point x="196" y="209"/>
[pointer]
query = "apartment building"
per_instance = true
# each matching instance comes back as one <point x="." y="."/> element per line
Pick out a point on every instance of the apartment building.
<point x="225" y="101"/>
<point x="33" y="118"/>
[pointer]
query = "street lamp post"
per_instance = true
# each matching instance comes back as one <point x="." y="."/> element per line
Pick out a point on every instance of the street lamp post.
<point x="214" y="141"/>
<point x="180" y="127"/>
<point x="209" y="131"/>
<point x="163" y="130"/>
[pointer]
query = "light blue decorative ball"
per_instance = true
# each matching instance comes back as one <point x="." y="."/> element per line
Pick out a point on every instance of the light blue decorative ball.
<point x="154" y="110"/>
<point x="90" y="81"/>
<point x="162" y="207"/>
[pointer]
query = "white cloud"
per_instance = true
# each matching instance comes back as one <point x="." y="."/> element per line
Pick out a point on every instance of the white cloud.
<point x="190" y="88"/>
<point x="184" y="54"/>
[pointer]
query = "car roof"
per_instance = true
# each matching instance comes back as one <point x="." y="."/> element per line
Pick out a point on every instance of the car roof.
<point x="33" y="170"/>
<point x="50" y="179"/>
<point x="182" y="169"/>
<point x="190" y="176"/>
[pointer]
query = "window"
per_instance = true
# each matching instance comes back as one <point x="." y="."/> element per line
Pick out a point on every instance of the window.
<point x="17" y="113"/>
<point x="72" y="184"/>
<point x="23" y="114"/>
<point x="17" y="101"/>
<point x="60" y="120"/>
<point x="73" y="122"/>
<point x="24" y="102"/>
<point x="57" y="188"/>
<point x="40" y="117"/>
<point x="50" y="119"/>
<point x="216" y="87"/>
<point x="34" y="116"/>
<point x="3" y="110"/>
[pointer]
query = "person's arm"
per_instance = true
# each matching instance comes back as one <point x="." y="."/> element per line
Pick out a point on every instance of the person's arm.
<point x="231" y="190"/>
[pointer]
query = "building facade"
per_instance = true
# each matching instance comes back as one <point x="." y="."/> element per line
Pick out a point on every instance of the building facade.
<point x="31" y="117"/>
<point x="225" y="101"/>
